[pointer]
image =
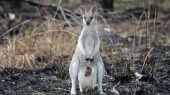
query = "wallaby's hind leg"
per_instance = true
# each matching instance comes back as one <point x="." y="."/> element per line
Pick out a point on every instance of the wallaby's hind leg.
<point x="100" y="69"/>
<point x="73" y="74"/>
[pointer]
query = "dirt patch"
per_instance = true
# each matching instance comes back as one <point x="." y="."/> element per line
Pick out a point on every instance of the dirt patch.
<point x="48" y="81"/>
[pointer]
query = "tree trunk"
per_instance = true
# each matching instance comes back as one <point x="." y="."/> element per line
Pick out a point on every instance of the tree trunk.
<point x="107" y="5"/>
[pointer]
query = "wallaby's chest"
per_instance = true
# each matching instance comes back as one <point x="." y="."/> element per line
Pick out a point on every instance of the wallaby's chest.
<point x="90" y="33"/>
<point x="89" y="44"/>
<point x="89" y="38"/>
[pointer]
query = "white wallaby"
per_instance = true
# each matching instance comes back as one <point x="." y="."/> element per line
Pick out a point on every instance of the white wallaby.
<point x="86" y="67"/>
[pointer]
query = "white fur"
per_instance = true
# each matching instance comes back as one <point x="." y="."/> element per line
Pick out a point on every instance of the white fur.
<point x="87" y="81"/>
<point x="87" y="47"/>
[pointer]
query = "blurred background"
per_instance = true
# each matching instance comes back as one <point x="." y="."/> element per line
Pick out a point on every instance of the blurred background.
<point x="38" y="39"/>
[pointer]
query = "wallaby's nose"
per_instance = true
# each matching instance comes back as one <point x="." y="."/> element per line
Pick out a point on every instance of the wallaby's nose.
<point x="88" y="21"/>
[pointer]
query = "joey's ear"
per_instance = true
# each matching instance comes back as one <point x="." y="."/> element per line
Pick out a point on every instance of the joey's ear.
<point x="93" y="9"/>
<point x="82" y="9"/>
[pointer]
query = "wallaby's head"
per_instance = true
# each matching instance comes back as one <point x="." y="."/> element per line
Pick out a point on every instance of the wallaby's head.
<point x="89" y="17"/>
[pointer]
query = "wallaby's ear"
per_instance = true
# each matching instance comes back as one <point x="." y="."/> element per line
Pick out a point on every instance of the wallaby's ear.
<point x="93" y="9"/>
<point x="82" y="9"/>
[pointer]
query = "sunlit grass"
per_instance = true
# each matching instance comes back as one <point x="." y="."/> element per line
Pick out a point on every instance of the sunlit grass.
<point x="36" y="50"/>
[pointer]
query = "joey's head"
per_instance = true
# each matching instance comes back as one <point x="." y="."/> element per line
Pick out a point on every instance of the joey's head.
<point x="89" y="18"/>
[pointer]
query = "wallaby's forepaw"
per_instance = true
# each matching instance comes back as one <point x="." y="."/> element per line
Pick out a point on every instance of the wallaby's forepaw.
<point x="90" y="59"/>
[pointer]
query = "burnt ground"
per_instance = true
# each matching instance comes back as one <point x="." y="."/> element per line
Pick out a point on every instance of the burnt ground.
<point x="54" y="80"/>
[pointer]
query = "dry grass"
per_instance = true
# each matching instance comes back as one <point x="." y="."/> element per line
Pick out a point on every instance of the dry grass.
<point x="38" y="47"/>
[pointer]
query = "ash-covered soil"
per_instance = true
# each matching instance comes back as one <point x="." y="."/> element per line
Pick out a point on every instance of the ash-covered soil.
<point x="54" y="80"/>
